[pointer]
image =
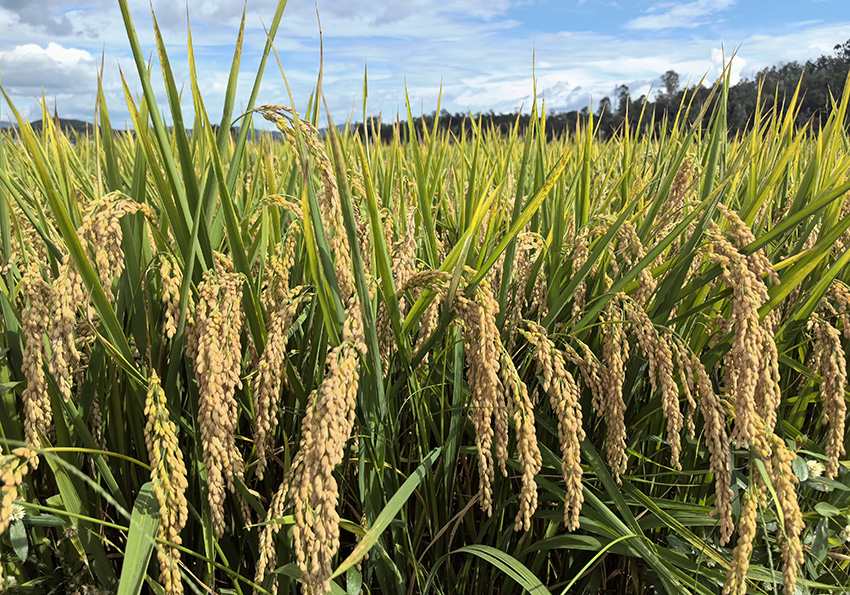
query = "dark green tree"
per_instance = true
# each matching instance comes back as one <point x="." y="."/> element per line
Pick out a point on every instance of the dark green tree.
<point x="670" y="80"/>
<point x="622" y="99"/>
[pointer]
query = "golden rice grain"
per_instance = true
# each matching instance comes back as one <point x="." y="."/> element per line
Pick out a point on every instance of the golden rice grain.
<point x="101" y="235"/>
<point x="216" y="353"/>
<point x="735" y="583"/>
<point x="530" y="460"/>
<point x="581" y="252"/>
<point x="35" y="318"/>
<point x="171" y="280"/>
<point x="591" y="370"/>
<point x="564" y="397"/>
<point x="529" y="248"/>
<point x="281" y="500"/>
<point x="788" y="536"/>
<point x="489" y="410"/>
<point x="364" y="239"/>
<point x="717" y="440"/>
<point x="630" y="251"/>
<point x="657" y="350"/>
<point x="284" y="117"/>
<point x="435" y="281"/>
<point x="404" y="252"/>
<point x="68" y="295"/>
<point x="324" y="433"/>
<point x="776" y="459"/>
<point x="841" y="294"/>
<point x="830" y="364"/>
<point x="742" y="236"/>
<point x="682" y="184"/>
<point x="751" y="376"/>
<point x="168" y="475"/>
<point x="13" y="468"/>
<point x="268" y="376"/>
<point x="615" y="349"/>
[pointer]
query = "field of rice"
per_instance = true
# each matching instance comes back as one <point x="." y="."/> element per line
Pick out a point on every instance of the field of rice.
<point x="319" y="363"/>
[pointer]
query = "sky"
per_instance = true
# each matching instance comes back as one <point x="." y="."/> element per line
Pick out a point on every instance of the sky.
<point x="483" y="54"/>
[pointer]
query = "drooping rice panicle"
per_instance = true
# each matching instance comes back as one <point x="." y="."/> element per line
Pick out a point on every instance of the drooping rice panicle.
<point x="13" y="468"/>
<point x="168" y="474"/>
<point x="215" y="349"/>
<point x="488" y="408"/>
<point x="324" y="434"/>
<point x="267" y="379"/>
<point x="35" y="319"/>
<point x="564" y="397"/>
<point x="522" y="411"/>
<point x="830" y="364"/>
<point x="615" y="353"/>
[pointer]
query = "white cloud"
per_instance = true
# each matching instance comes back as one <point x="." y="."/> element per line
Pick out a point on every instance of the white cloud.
<point x="39" y="14"/>
<point x="687" y="15"/>
<point x="67" y="76"/>
<point x="574" y="67"/>
<point x="28" y="68"/>
<point x="482" y="57"/>
<point x="721" y="59"/>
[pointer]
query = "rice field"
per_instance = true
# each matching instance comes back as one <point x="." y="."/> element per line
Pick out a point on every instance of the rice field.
<point x="491" y="363"/>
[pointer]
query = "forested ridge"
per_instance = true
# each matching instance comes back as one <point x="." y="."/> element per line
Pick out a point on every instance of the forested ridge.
<point x="820" y="81"/>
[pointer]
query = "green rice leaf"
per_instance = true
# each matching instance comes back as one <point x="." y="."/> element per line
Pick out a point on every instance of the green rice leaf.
<point x="141" y="540"/>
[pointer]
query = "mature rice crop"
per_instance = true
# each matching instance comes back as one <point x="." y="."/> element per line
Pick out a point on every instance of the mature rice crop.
<point x="476" y="364"/>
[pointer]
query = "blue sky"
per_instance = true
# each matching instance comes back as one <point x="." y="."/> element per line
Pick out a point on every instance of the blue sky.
<point x="481" y="52"/>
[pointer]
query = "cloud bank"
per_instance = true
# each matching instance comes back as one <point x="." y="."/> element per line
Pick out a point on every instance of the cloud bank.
<point x="479" y="53"/>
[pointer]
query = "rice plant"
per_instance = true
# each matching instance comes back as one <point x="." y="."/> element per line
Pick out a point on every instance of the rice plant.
<point x="482" y="363"/>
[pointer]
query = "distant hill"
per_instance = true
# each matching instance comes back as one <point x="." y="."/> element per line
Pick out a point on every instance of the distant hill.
<point x="70" y="125"/>
<point x="67" y="124"/>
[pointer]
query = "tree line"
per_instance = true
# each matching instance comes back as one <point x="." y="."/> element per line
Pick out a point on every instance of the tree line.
<point x="820" y="81"/>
